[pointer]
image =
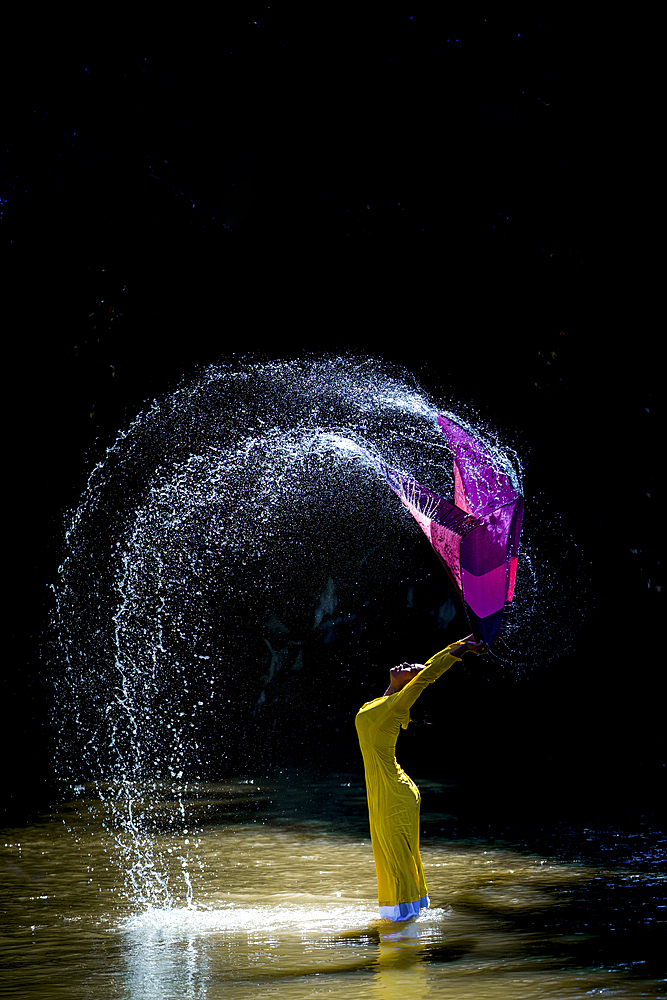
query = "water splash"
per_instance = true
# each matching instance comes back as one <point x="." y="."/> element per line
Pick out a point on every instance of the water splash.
<point x="247" y="499"/>
<point x="303" y="917"/>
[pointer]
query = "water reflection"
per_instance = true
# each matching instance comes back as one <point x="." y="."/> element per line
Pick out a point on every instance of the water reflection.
<point x="273" y="901"/>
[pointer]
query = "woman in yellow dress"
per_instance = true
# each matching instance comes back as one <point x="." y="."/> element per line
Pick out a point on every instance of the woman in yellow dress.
<point x="393" y="798"/>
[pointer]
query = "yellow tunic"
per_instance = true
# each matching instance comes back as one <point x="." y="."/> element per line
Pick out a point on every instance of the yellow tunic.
<point x="393" y="798"/>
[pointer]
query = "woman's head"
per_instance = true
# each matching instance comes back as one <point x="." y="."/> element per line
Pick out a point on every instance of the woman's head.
<point x="401" y="675"/>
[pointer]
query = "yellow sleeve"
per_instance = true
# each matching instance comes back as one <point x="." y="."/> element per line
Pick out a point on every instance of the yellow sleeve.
<point x="433" y="668"/>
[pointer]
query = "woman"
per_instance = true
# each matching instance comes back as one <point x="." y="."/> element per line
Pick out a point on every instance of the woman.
<point x="393" y="798"/>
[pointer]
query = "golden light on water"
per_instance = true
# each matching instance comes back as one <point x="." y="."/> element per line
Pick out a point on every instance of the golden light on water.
<point x="287" y="906"/>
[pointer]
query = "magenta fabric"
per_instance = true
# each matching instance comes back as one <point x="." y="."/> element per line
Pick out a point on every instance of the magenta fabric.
<point x="476" y="536"/>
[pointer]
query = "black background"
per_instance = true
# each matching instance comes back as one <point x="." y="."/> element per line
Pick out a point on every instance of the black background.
<point x="463" y="198"/>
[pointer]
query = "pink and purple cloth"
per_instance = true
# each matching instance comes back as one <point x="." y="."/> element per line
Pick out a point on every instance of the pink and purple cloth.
<point x="476" y="536"/>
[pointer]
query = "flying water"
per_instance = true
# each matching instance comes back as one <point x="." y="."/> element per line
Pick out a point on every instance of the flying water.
<point x="238" y="529"/>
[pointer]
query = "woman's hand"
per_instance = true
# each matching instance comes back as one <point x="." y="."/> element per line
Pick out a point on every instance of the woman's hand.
<point x="478" y="648"/>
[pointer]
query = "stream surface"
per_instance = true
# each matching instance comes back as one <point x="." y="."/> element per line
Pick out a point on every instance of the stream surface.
<point x="269" y="889"/>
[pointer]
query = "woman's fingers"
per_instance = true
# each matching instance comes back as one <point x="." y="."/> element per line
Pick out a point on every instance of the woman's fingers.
<point x="472" y="646"/>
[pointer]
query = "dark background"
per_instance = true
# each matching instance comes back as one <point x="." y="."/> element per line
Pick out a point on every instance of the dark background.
<point x="464" y="198"/>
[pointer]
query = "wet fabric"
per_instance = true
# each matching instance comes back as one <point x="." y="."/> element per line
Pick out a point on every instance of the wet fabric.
<point x="393" y="798"/>
<point x="405" y="911"/>
<point x="476" y="534"/>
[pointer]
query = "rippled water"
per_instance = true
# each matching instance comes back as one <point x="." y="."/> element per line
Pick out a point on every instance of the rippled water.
<point x="272" y="893"/>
